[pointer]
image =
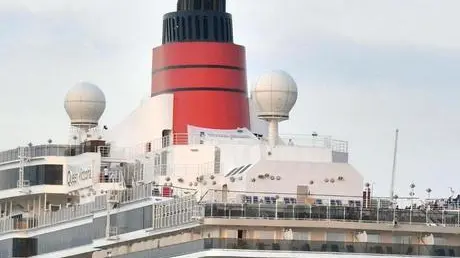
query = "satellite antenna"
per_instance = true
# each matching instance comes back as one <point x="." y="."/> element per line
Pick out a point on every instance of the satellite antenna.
<point x="84" y="103"/>
<point x="275" y="94"/>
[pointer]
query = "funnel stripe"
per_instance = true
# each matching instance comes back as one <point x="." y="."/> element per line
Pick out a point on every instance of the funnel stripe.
<point x="208" y="82"/>
<point x="195" y="53"/>
<point x="198" y="77"/>
<point x="199" y="89"/>
<point x="172" y="67"/>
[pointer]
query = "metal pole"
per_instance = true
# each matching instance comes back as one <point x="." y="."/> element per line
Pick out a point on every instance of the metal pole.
<point x="107" y="222"/>
<point x="393" y="172"/>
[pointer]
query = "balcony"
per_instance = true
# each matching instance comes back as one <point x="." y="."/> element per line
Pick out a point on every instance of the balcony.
<point x="244" y="139"/>
<point x="44" y="150"/>
<point x="296" y="248"/>
<point x="282" y="211"/>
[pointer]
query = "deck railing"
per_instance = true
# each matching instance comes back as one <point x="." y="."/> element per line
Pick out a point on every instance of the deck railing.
<point x="187" y="207"/>
<point x="42" y="218"/>
<point x="288" y="206"/>
<point x="42" y="151"/>
<point x="159" y="144"/>
<point x="163" y="142"/>
<point x="325" y="247"/>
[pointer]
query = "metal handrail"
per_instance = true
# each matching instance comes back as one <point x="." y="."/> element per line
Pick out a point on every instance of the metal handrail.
<point x="162" y="143"/>
<point x="46" y="218"/>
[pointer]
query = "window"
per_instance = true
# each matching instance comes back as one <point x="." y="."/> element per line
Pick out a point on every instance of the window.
<point x="440" y="241"/>
<point x="24" y="247"/>
<point x="335" y="237"/>
<point x="148" y="147"/>
<point x="401" y="239"/>
<point x="36" y="175"/>
<point x="240" y="234"/>
<point x="197" y="5"/>
<point x="373" y="238"/>
<point x="301" y="235"/>
<point x="208" y="5"/>
<point x="44" y="174"/>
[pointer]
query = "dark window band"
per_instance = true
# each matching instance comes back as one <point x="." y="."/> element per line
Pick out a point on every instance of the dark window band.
<point x="198" y="89"/>
<point x="229" y="67"/>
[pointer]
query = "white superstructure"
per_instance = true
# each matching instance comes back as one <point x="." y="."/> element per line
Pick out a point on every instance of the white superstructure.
<point x="97" y="196"/>
<point x="174" y="179"/>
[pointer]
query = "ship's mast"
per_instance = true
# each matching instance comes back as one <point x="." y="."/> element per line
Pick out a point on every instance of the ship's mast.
<point x="393" y="172"/>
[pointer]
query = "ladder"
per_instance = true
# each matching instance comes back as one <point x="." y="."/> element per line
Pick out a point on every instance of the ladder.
<point x="113" y="202"/>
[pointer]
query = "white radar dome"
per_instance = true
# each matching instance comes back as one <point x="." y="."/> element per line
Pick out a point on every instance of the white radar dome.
<point x="85" y="104"/>
<point x="275" y="94"/>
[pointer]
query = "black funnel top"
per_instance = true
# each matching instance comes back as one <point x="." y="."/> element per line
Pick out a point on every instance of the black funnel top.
<point x="201" y="5"/>
<point x="198" y="20"/>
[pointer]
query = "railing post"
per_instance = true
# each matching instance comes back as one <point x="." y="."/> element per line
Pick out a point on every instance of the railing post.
<point x="427" y="210"/>
<point x="443" y="218"/>
<point x="276" y="210"/>
<point x="259" y="210"/>
<point x="378" y="209"/>
<point x="394" y="212"/>
<point x="458" y="216"/>
<point x="212" y="208"/>
<point x="410" y="215"/>
<point x="293" y="211"/>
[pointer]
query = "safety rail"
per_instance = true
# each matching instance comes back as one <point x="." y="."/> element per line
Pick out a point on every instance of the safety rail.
<point x="43" y="151"/>
<point x="45" y="218"/>
<point x="205" y="169"/>
<point x="161" y="143"/>
<point x="238" y="204"/>
<point x="156" y="145"/>
<point x="330" y="248"/>
<point x="315" y="142"/>
<point x="176" y="212"/>
<point x="185" y="206"/>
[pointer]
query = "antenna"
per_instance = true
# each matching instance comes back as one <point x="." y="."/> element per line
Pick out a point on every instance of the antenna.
<point x="393" y="172"/>
<point x="84" y="103"/>
<point x="275" y="94"/>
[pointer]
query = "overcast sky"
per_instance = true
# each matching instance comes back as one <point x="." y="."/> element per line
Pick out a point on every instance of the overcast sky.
<point x="363" y="68"/>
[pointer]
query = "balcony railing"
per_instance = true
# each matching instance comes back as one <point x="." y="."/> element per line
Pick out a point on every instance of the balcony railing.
<point x="337" y="213"/>
<point x="163" y="142"/>
<point x="47" y="218"/>
<point x="329" y="247"/>
<point x="315" y="142"/>
<point x="42" y="151"/>
<point x="187" y="139"/>
<point x="284" y="206"/>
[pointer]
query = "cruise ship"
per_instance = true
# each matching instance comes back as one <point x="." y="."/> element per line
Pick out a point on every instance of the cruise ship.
<point x="200" y="170"/>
